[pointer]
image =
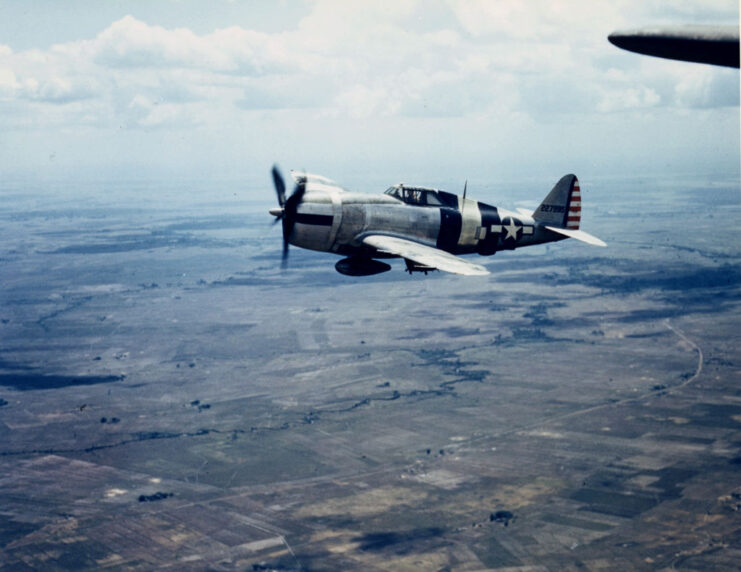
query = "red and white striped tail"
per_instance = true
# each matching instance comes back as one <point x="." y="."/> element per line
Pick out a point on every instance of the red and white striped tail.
<point x="574" y="216"/>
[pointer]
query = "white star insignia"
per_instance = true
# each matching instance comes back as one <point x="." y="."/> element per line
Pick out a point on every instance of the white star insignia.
<point x="511" y="229"/>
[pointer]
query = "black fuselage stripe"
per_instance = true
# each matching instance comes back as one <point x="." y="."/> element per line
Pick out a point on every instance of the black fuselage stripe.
<point x="450" y="229"/>
<point x="316" y="219"/>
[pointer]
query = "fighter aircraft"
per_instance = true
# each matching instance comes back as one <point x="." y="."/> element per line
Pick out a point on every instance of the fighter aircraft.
<point x="426" y="227"/>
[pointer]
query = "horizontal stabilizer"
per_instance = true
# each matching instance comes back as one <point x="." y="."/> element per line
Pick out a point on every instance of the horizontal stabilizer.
<point x="578" y="235"/>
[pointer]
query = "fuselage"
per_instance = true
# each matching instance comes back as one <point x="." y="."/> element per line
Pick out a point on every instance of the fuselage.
<point x="330" y="219"/>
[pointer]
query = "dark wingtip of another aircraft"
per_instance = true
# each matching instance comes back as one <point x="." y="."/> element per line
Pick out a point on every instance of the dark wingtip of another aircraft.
<point x="716" y="45"/>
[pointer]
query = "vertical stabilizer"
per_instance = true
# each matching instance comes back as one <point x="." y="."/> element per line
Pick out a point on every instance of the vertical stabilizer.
<point x="562" y="207"/>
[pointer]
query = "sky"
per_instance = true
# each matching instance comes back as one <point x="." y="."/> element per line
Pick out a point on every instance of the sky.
<point x="419" y="91"/>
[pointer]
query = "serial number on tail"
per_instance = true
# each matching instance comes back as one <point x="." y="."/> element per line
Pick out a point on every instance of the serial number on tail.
<point x="552" y="209"/>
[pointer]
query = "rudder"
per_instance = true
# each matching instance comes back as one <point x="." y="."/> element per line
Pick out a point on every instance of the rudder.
<point x="562" y="207"/>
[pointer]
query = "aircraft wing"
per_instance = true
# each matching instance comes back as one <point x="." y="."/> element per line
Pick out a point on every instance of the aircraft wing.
<point x="423" y="254"/>
<point x="717" y="45"/>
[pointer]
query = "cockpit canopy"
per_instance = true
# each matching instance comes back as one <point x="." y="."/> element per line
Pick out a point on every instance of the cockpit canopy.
<point x="422" y="196"/>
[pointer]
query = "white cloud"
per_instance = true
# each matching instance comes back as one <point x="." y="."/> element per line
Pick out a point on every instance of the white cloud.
<point x="630" y="98"/>
<point x="701" y="87"/>
<point x="506" y="19"/>
<point x="691" y="11"/>
<point x="144" y="112"/>
<point x="8" y="82"/>
<point x="130" y="43"/>
<point x="474" y="58"/>
<point x="360" y="101"/>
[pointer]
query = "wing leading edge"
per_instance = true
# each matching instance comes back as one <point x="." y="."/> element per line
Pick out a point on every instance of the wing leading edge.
<point x="423" y="254"/>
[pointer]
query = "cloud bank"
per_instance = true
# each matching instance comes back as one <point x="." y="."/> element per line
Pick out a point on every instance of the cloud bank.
<point x="507" y="64"/>
<point x="358" y="60"/>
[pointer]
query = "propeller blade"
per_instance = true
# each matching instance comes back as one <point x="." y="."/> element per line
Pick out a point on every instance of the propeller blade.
<point x="290" y="208"/>
<point x="280" y="185"/>
<point x="284" y="258"/>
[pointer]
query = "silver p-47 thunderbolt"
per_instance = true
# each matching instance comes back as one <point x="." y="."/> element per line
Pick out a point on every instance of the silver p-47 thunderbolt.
<point x="426" y="227"/>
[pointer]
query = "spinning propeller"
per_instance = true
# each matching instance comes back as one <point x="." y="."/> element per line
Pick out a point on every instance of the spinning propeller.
<point x="288" y="207"/>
